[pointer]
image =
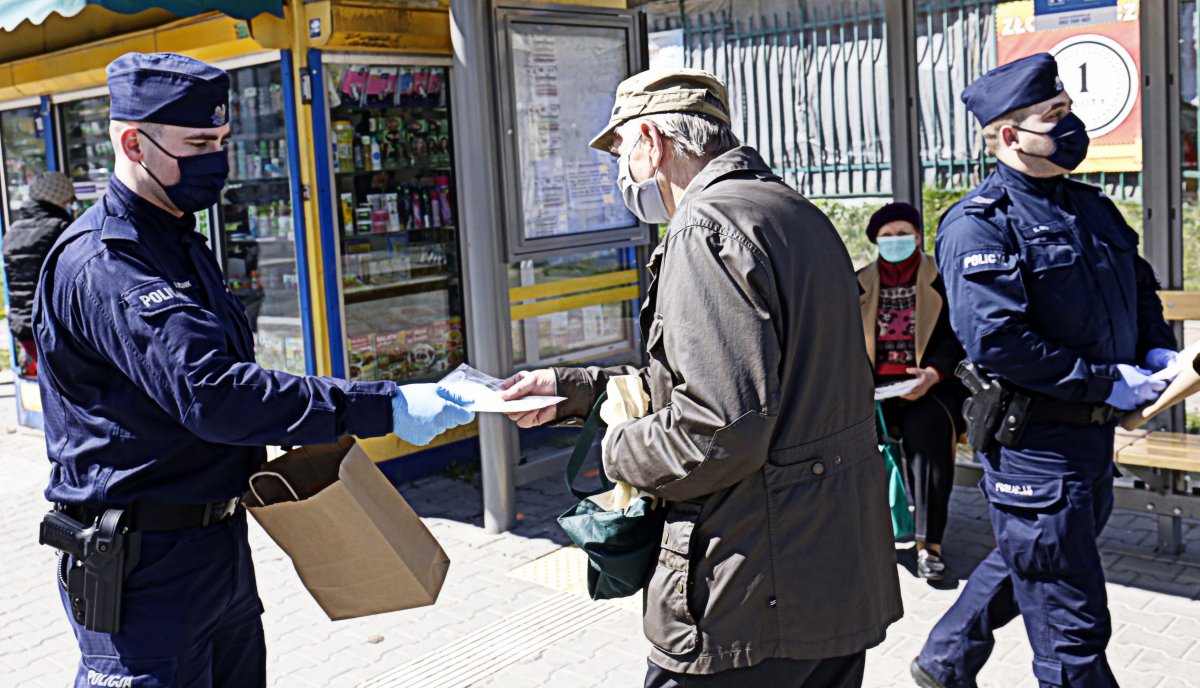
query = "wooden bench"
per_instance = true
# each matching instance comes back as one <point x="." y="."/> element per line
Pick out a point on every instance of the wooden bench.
<point x="1160" y="463"/>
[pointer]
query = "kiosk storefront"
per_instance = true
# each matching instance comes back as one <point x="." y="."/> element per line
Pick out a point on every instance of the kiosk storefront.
<point x="342" y="226"/>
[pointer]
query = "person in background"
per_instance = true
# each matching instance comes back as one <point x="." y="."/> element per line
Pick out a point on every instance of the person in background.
<point x="39" y="224"/>
<point x="907" y="330"/>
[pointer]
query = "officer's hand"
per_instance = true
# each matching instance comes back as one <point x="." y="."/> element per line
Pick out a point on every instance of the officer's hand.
<point x="525" y="383"/>
<point x="1133" y="388"/>
<point x="422" y="412"/>
<point x="1161" y="359"/>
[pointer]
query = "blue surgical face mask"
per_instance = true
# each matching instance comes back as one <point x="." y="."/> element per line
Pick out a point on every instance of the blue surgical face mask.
<point x="1070" y="142"/>
<point x="201" y="178"/>
<point x="644" y="199"/>
<point x="897" y="249"/>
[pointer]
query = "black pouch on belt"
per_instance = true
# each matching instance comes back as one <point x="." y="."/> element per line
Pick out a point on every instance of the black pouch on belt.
<point x="1015" y="418"/>
<point x="984" y="409"/>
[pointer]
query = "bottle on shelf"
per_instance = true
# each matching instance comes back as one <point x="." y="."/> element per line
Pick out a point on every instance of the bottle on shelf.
<point x="376" y="155"/>
<point x="429" y="213"/>
<point x="443" y="186"/>
<point x="418" y="215"/>
<point x="360" y="162"/>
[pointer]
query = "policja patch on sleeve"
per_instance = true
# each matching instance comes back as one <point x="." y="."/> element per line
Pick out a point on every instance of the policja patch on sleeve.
<point x="156" y="296"/>
<point x="985" y="260"/>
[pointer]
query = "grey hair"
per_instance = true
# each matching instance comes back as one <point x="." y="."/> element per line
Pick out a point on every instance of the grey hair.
<point x="692" y="135"/>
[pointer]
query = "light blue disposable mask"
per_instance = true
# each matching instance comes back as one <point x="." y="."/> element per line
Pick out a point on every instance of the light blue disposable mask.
<point x="644" y="199"/>
<point x="897" y="249"/>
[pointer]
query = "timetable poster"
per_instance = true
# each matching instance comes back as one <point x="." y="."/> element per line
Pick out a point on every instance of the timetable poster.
<point x="1097" y="44"/>
<point x="565" y="80"/>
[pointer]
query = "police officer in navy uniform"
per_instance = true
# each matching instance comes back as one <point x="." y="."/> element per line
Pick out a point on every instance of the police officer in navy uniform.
<point x="1051" y="301"/>
<point x="153" y="402"/>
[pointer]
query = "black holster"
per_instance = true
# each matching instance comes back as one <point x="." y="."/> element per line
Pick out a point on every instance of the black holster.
<point x="984" y="409"/>
<point x="93" y="563"/>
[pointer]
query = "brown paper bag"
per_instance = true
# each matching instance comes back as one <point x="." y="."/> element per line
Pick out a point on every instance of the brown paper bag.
<point x="1182" y="387"/>
<point x="358" y="547"/>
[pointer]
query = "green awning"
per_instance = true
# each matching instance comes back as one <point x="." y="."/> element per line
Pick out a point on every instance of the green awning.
<point x="13" y="12"/>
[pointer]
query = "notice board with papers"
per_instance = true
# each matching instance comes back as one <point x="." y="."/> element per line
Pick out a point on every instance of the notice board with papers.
<point x="557" y="79"/>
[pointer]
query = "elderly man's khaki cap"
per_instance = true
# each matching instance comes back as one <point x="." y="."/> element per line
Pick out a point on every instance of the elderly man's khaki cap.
<point x="665" y="90"/>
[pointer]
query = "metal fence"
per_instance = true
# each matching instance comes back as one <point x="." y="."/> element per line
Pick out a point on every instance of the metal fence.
<point x="808" y="88"/>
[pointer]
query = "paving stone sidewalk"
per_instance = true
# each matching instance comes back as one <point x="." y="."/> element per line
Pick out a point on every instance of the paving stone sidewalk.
<point x="493" y="627"/>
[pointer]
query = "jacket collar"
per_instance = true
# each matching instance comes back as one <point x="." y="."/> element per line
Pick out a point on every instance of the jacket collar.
<point x="742" y="159"/>
<point x="142" y="219"/>
<point x="42" y="209"/>
<point x="1036" y="186"/>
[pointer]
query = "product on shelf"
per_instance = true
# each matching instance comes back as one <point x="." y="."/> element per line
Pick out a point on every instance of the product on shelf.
<point x="391" y="356"/>
<point x="343" y="136"/>
<point x="293" y="355"/>
<point x="257" y="217"/>
<point x="269" y="351"/>
<point x="362" y="357"/>
<point x="391" y="149"/>
<point x="347" y="204"/>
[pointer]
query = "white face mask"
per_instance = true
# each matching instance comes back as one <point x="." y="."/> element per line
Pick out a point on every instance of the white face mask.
<point x="643" y="199"/>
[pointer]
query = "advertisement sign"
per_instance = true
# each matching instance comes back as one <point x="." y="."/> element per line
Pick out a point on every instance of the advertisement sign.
<point x="1097" y="45"/>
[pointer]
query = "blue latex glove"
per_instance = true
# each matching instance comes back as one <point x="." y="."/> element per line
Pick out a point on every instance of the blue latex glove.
<point x="1133" y="388"/>
<point x="1157" y="359"/>
<point x="422" y="412"/>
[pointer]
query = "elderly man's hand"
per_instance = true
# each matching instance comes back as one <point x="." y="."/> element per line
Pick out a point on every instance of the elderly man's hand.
<point x="525" y="383"/>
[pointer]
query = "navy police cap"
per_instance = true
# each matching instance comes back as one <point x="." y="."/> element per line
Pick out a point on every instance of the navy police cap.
<point x="1011" y="86"/>
<point x="165" y="88"/>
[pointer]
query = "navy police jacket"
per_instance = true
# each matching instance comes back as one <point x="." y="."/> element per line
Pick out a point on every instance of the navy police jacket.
<point x="147" y="374"/>
<point x="1045" y="285"/>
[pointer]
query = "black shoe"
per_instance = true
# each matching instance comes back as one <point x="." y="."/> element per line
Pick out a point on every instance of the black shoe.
<point x="923" y="678"/>
<point x="930" y="566"/>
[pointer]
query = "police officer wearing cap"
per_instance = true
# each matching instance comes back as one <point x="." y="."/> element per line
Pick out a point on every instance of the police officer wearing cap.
<point x="155" y="412"/>
<point x="1060" y="319"/>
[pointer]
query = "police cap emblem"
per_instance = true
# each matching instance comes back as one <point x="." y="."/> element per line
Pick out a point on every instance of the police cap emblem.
<point x="218" y="117"/>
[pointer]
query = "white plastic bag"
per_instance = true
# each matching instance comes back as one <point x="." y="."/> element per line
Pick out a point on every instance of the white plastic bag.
<point x="626" y="401"/>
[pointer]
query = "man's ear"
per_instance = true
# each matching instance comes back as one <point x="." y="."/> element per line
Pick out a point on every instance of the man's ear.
<point x="131" y="145"/>
<point x="1008" y="137"/>
<point x="658" y="145"/>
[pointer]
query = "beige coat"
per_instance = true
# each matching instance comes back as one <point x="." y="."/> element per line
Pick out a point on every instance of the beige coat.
<point x="929" y="305"/>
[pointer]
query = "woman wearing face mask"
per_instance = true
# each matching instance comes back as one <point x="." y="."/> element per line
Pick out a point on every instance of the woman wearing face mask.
<point x="908" y="335"/>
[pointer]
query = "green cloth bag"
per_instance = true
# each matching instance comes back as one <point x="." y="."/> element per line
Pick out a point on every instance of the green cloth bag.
<point x="902" y="518"/>
<point x="622" y="546"/>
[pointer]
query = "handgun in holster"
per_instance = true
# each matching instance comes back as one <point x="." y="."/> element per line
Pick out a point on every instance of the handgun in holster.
<point x="984" y="410"/>
<point x="93" y="563"/>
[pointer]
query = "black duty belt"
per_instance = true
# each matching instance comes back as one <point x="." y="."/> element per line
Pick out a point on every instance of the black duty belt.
<point x="1053" y="412"/>
<point x="149" y="517"/>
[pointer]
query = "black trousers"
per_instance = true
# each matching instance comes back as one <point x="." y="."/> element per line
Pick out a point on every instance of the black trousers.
<point x="928" y="430"/>
<point x="836" y="672"/>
